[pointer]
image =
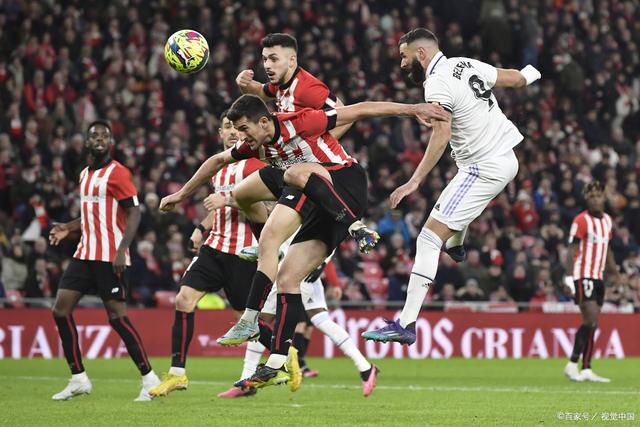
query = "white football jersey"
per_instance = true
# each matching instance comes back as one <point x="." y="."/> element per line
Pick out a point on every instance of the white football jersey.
<point x="479" y="128"/>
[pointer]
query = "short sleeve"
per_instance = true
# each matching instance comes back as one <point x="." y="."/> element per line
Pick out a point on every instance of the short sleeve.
<point x="315" y="96"/>
<point x="578" y="229"/>
<point x="122" y="188"/>
<point x="309" y="123"/>
<point x="251" y="166"/>
<point x="437" y="91"/>
<point x="269" y="90"/>
<point x="488" y="72"/>
<point x="242" y="151"/>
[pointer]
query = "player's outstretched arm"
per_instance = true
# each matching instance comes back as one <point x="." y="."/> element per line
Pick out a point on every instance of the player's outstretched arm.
<point x="515" y="78"/>
<point x="437" y="144"/>
<point x="341" y="130"/>
<point x="368" y="110"/>
<point x="247" y="85"/>
<point x="206" y="171"/>
<point x="130" y="229"/>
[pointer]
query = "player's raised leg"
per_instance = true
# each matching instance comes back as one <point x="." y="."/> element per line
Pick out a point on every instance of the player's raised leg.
<point x="301" y="259"/>
<point x="119" y="321"/>
<point x="181" y="335"/>
<point x="316" y="182"/>
<point x="79" y="383"/>
<point x="428" y="246"/>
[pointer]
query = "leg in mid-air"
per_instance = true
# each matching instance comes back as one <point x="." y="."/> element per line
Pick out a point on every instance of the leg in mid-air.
<point x="460" y="203"/>
<point x="316" y="309"/>
<point x="315" y="181"/>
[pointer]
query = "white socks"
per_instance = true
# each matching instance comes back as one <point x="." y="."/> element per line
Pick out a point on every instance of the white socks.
<point x="82" y="376"/>
<point x="250" y="315"/>
<point x="276" y="361"/>
<point x="341" y="339"/>
<point x="149" y="378"/>
<point x="177" y="371"/>
<point x="251" y="358"/>
<point x="457" y="239"/>
<point x="424" y="271"/>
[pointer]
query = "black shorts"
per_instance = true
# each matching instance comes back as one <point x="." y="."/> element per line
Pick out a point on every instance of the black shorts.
<point x="273" y="178"/>
<point x="350" y="182"/>
<point x="96" y="278"/>
<point x="589" y="290"/>
<point x="212" y="270"/>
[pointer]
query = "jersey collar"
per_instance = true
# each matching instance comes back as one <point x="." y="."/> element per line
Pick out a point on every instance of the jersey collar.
<point x="287" y="84"/>
<point x="102" y="164"/>
<point x="434" y="62"/>
<point x="276" y="125"/>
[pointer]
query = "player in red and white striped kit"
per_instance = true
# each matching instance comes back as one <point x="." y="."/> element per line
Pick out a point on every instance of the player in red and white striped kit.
<point x="587" y="258"/>
<point x="292" y="88"/>
<point x="110" y="216"/>
<point x="217" y="265"/>
<point x="296" y="143"/>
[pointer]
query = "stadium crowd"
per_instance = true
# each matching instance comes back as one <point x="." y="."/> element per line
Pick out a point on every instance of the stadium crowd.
<point x="65" y="63"/>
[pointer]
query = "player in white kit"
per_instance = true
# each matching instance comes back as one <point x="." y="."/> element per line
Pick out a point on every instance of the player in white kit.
<point x="482" y="140"/>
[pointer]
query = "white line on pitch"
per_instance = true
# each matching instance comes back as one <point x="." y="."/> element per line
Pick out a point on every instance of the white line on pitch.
<point x="462" y="389"/>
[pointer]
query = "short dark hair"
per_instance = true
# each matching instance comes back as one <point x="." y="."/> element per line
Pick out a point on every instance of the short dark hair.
<point x="417" y="34"/>
<point x="280" y="39"/>
<point x="592" y="186"/>
<point x="249" y="106"/>
<point x="99" y="122"/>
<point x="224" y="114"/>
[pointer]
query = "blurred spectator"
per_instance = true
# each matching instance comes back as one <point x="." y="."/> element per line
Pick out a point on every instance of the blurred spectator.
<point x="14" y="269"/>
<point x="70" y="65"/>
<point x="470" y="291"/>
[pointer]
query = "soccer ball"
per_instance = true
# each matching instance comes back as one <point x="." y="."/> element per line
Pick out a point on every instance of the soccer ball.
<point x="187" y="51"/>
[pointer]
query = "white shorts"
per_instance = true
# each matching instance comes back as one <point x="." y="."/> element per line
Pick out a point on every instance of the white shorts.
<point x="472" y="189"/>
<point x="312" y="297"/>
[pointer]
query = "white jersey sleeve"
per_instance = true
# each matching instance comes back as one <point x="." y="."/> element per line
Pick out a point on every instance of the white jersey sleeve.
<point x="437" y="90"/>
<point x="488" y="72"/>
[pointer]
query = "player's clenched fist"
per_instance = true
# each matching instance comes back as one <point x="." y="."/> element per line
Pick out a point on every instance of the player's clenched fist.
<point x="168" y="203"/>
<point x="244" y="79"/>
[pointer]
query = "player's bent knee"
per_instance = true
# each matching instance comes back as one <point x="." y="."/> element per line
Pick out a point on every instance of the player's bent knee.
<point x="186" y="300"/>
<point x="296" y="177"/>
<point x="60" y="311"/>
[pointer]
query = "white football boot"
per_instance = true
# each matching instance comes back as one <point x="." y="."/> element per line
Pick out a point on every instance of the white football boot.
<point x="149" y="381"/>
<point x="588" y="375"/>
<point x="79" y="384"/>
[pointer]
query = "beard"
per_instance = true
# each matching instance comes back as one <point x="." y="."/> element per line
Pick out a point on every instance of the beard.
<point x="415" y="72"/>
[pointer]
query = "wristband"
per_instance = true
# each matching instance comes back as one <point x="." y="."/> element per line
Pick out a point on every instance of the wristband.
<point x="530" y="74"/>
<point x="201" y="228"/>
<point x="568" y="281"/>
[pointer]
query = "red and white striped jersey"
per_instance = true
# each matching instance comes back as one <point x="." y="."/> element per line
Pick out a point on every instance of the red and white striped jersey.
<point x="594" y="235"/>
<point x="103" y="218"/>
<point x="230" y="232"/>
<point x="300" y="137"/>
<point x="303" y="90"/>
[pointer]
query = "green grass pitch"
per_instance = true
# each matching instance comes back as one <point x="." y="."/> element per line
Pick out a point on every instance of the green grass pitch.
<point x="454" y="392"/>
